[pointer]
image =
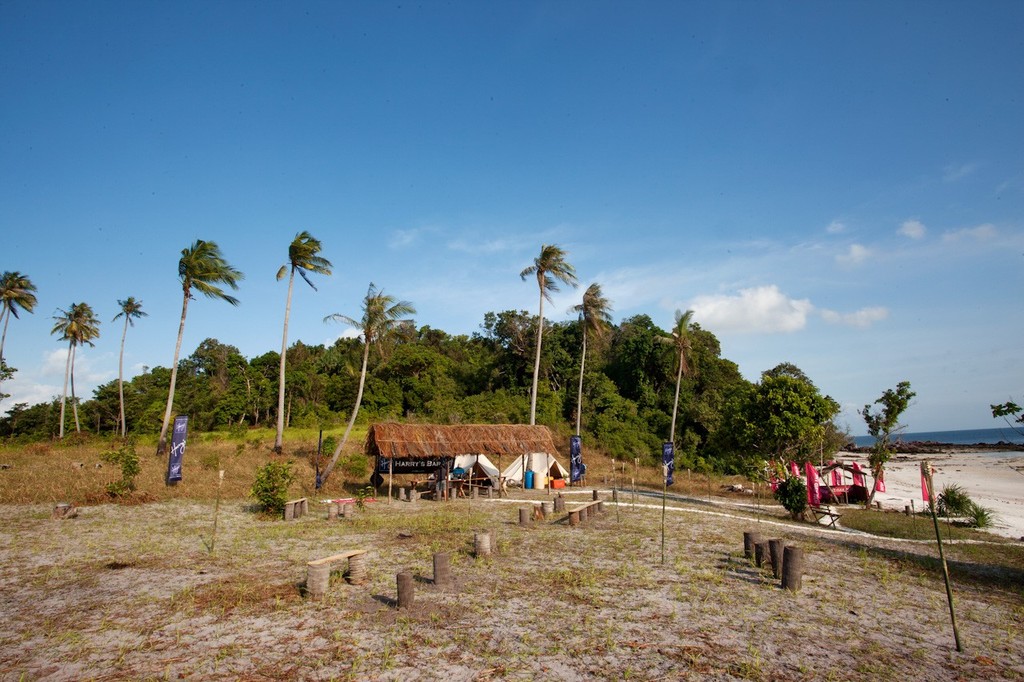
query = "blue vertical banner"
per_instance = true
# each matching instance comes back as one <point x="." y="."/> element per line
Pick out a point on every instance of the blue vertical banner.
<point x="177" y="450"/>
<point x="668" y="461"/>
<point x="575" y="459"/>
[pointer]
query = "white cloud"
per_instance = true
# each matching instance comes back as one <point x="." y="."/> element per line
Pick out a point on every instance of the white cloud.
<point x="855" y="255"/>
<point x="400" y="239"/>
<point x="836" y="227"/>
<point x="953" y="172"/>
<point x="489" y="246"/>
<point x="861" y="319"/>
<point x="979" y="233"/>
<point x="758" y="310"/>
<point x="914" y="229"/>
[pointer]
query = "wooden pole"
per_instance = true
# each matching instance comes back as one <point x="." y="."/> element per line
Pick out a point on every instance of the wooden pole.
<point x="406" y="591"/>
<point x="391" y="476"/>
<point x="442" y="569"/>
<point x="792" y="568"/>
<point x="926" y="471"/>
<point x="664" y="495"/>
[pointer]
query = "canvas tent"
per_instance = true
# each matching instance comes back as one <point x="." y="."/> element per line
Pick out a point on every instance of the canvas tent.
<point x="540" y="463"/>
<point x="405" y="446"/>
<point x="478" y="467"/>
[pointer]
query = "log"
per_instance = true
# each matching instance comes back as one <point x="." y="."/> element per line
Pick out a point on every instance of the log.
<point x="596" y="498"/>
<point x="775" y="547"/>
<point x="406" y="591"/>
<point x="524" y="516"/>
<point x="546" y="509"/>
<point x="318" y="576"/>
<point x="574" y="518"/>
<point x="482" y="544"/>
<point x="792" y="568"/>
<point x="750" y="538"/>
<point x="357" y="569"/>
<point x="761" y="553"/>
<point x="442" y="569"/>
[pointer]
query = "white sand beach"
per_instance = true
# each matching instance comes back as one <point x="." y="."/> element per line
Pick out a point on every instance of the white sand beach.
<point x="993" y="480"/>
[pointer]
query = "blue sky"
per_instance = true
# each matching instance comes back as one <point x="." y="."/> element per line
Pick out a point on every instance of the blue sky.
<point x="838" y="185"/>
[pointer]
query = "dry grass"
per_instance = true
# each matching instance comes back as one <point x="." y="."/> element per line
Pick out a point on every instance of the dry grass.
<point x="132" y="592"/>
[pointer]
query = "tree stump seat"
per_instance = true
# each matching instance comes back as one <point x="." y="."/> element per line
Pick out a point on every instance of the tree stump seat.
<point x="318" y="571"/>
<point x="295" y="509"/>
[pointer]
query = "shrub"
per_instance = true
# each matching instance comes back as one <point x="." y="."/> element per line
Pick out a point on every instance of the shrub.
<point x="978" y="516"/>
<point x="125" y="457"/>
<point x="355" y="466"/>
<point x="271" y="486"/>
<point x="792" y="495"/>
<point x="953" y="501"/>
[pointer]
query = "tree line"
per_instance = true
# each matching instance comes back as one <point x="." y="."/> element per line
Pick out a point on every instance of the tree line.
<point x="624" y="388"/>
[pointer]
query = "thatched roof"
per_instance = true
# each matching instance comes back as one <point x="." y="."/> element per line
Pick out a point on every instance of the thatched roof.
<point x="423" y="441"/>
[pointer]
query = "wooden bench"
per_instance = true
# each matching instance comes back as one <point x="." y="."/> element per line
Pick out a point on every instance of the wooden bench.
<point x="295" y="509"/>
<point x="581" y="514"/>
<point x="318" y="572"/>
<point x="825" y="512"/>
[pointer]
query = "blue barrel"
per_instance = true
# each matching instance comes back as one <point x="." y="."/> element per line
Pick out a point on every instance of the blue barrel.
<point x="528" y="480"/>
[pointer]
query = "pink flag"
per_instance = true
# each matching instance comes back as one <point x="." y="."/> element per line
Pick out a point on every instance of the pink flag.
<point x="858" y="477"/>
<point x="880" y="482"/>
<point x="794" y="469"/>
<point x="924" y="488"/>
<point x="837" y="475"/>
<point x="813" y="492"/>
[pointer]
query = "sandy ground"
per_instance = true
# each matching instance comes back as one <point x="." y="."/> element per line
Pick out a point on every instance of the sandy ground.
<point x="993" y="480"/>
<point x="134" y="593"/>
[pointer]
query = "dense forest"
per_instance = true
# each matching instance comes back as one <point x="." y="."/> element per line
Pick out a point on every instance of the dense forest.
<point x="724" y="422"/>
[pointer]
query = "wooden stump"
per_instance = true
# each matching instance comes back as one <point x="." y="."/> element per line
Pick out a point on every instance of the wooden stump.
<point x="750" y="538"/>
<point x="584" y="514"/>
<point x="761" y="553"/>
<point x="559" y="504"/>
<point x="473" y="492"/>
<point x="615" y="494"/>
<point x="357" y="569"/>
<point x="406" y="591"/>
<point x="348" y="510"/>
<point x="599" y="506"/>
<point x="596" y="498"/>
<point x="482" y="544"/>
<point x="792" y="568"/>
<point x="574" y="518"/>
<point x="318" y="576"/>
<point x="332" y="511"/>
<point x="524" y="516"/>
<point x="546" y="509"/>
<point x="442" y="569"/>
<point x="775" y="547"/>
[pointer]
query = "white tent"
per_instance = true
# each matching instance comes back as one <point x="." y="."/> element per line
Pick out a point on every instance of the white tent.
<point x="479" y="466"/>
<point x="540" y="463"/>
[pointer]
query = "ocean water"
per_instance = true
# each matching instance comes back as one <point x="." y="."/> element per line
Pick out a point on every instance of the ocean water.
<point x="964" y="437"/>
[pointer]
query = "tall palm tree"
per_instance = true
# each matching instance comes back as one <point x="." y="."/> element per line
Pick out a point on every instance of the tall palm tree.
<point x="595" y="319"/>
<point x="131" y="310"/>
<point x="76" y="325"/>
<point x="302" y="257"/>
<point x="681" y="340"/>
<point x="382" y="316"/>
<point x="15" y="292"/>
<point x="203" y="268"/>
<point x="549" y="266"/>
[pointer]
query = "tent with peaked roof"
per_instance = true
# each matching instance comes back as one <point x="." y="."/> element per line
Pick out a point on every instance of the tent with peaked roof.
<point x="540" y="463"/>
<point x="478" y="468"/>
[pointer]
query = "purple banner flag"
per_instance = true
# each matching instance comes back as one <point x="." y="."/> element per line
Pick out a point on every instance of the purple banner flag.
<point x="576" y="468"/>
<point x="668" y="460"/>
<point x="177" y="450"/>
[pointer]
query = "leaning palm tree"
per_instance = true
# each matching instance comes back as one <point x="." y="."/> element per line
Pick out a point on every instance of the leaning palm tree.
<point x="547" y="267"/>
<point x="203" y="268"/>
<point x="131" y="310"/>
<point x="15" y="292"/>
<point x="76" y="325"/>
<point x="302" y="257"/>
<point x="595" y="319"/>
<point x="382" y="316"/>
<point x="681" y="340"/>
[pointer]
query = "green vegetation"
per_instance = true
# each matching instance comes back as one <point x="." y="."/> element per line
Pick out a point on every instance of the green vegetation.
<point x="126" y="458"/>
<point x="883" y="425"/>
<point x="792" y="495"/>
<point x="271" y="486"/>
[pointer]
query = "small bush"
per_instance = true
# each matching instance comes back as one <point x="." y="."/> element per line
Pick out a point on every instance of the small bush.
<point x="210" y="461"/>
<point x="953" y="501"/>
<point x="978" y="516"/>
<point x="355" y="466"/>
<point x="792" y="495"/>
<point x="125" y="457"/>
<point x="271" y="486"/>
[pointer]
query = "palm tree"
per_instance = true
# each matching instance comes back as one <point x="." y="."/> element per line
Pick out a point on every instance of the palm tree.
<point x="201" y="267"/>
<point x="595" y="318"/>
<point x="382" y="316"/>
<point x="131" y="310"/>
<point x="681" y="340"/>
<point x="302" y="256"/>
<point x="76" y="325"/>
<point x="548" y="266"/>
<point x="15" y="292"/>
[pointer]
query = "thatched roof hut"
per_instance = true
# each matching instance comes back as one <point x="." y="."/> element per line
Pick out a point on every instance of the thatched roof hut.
<point x="425" y="441"/>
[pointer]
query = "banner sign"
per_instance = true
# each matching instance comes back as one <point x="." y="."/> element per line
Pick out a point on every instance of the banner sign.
<point x="668" y="461"/>
<point x="177" y="449"/>
<point x="411" y="466"/>
<point x="813" y="485"/>
<point x="575" y="459"/>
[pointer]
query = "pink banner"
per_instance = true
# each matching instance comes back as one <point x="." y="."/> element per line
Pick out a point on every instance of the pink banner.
<point x="837" y="475"/>
<point x="794" y="469"/>
<point x="858" y="477"/>
<point x="924" y="488"/>
<point x="880" y="482"/>
<point x="813" y="492"/>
